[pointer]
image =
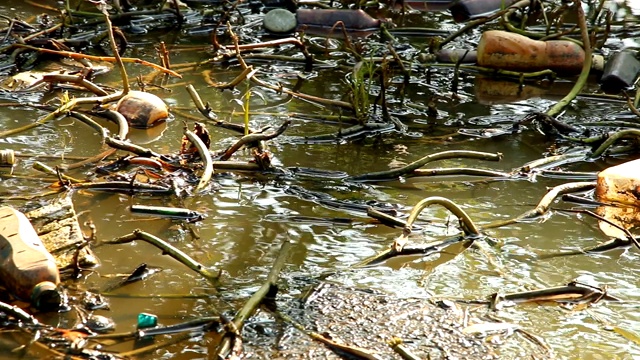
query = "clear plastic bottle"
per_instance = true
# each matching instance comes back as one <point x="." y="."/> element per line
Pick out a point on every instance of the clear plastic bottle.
<point x="27" y="270"/>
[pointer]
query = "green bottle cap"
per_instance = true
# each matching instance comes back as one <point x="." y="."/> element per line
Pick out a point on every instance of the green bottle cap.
<point x="147" y="320"/>
<point x="45" y="296"/>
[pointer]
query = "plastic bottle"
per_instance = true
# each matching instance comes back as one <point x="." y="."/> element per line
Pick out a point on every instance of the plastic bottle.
<point x="7" y="161"/>
<point x="620" y="72"/>
<point x="457" y="55"/>
<point x="464" y="10"/>
<point x="503" y="50"/>
<point x="425" y="5"/>
<point x="27" y="270"/>
<point x="282" y="21"/>
<point x="7" y="158"/>
<point x="352" y="19"/>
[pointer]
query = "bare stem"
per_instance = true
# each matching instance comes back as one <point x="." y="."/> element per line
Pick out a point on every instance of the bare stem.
<point x="586" y="67"/>
<point x="116" y="53"/>
<point x="406" y="170"/>
<point x="170" y="250"/>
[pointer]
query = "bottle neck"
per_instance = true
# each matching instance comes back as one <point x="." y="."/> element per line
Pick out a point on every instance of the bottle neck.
<point x="45" y="296"/>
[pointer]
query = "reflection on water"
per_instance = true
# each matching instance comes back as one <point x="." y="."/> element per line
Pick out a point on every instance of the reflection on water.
<point x="246" y="219"/>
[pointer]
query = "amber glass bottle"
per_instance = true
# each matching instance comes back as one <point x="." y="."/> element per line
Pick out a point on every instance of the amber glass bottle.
<point x="27" y="269"/>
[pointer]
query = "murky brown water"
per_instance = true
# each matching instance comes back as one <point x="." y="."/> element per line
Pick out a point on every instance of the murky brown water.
<point x="248" y="219"/>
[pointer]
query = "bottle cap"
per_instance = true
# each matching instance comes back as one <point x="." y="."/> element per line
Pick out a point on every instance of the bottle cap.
<point x="45" y="296"/>
<point x="146" y="320"/>
<point x="620" y="72"/>
<point x="597" y="62"/>
<point x="7" y="158"/>
<point x="280" y="21"/>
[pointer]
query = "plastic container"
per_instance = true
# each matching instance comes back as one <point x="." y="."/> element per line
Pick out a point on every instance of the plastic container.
<point x="426" y="5"/>
<point x="352" y="19"/>
<point x="503" y="50"/>
<point x="7" y="158"/>
<point x="27" y="269"/>
<point x="146" y="321"/>
<point x="457" y="55"/>
<point x="464" y="10"/>
<point x="620" y="72"/>
<point x="283" y="21"/>
<point x="7" y="161"/>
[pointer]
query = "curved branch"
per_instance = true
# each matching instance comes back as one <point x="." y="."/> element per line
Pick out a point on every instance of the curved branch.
<point x="76" y="56"/>
<point x="393" y="174"/>
<point x="205" y="155"/>
<point x="206" y="111"/>
<point x="612" y="139"/>
<point x="255" y="137"/>
<point x="468" y="226"/>
<point x="168" y="249"/>
<point x="545" y="202"/>
<point x="458" y="171"/>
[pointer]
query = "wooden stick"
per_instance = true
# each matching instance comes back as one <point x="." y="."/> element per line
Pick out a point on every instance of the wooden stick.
<point x="268" y="288"/>
<point x="393" y="174"/>
<point x="76" y="56"/>
<point x="168" y="249"/>
<point x="205" y="155"/>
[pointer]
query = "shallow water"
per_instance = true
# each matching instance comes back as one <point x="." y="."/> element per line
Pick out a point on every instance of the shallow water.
<point x="247" y="218"/>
